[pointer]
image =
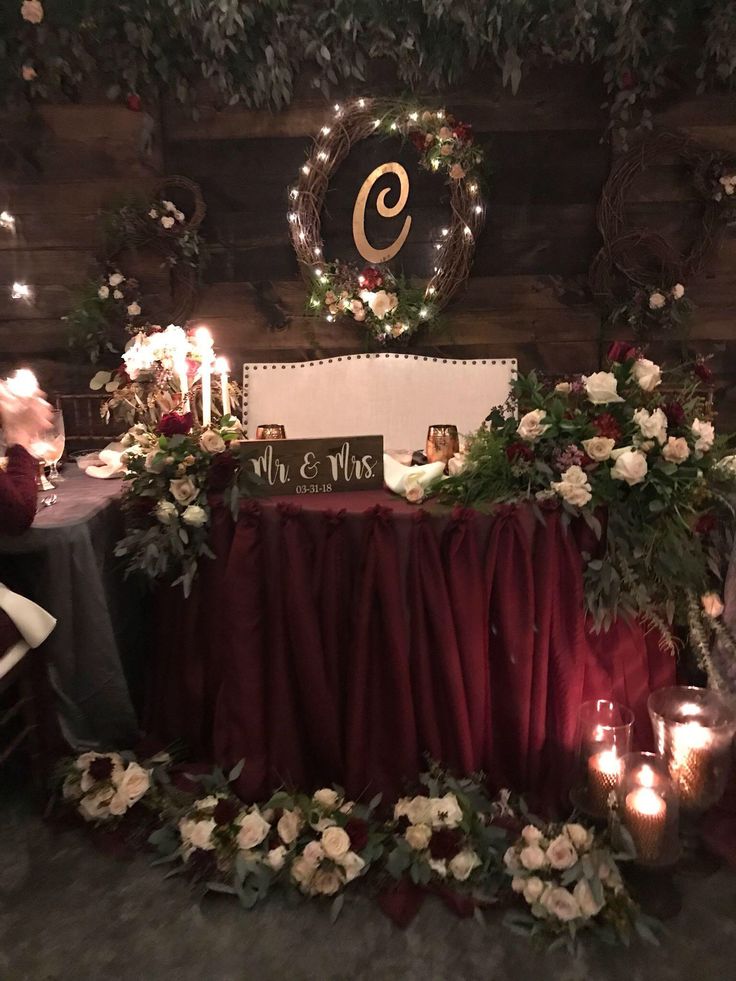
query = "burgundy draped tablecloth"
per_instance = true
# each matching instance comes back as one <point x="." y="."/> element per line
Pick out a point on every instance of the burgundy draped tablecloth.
<point x="341" y="638"/>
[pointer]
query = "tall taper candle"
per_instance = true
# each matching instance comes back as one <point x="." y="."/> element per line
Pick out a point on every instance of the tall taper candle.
<point x="223" y="368"/>
<point x="204" y="345"/>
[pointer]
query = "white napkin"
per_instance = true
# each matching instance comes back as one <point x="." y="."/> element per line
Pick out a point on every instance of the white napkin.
<point x="104" y="464"/>
<point x="33" y="622"/>
<point x="395" y="474"/>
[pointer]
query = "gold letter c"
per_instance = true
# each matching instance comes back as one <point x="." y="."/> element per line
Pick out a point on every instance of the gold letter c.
<point x="361" y="242"/>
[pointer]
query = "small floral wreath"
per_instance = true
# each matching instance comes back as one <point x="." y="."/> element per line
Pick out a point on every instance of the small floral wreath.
<point x="388" y="307"/>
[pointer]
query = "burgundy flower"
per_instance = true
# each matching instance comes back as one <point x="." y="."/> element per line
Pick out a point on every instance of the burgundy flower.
<point x="702" y="370"/>
<point x="222" y="469"/>
<point x="175" y="423"/>
<point x="133" y="102"/>
<point x="463" y="132"/>
<point x="370" y="278"/>
<point x="100" y="768"/>
<point x="621" y="351"/>
<point x="606" y="425"/>
<point x="226" y="810"/>
<point x="357" y="831"/>
<point x="706" y="523"/>
<point x="445" y="843"/>
<point x="202" y="865"/>
<point x="628" y="79"/>
<point x="417" y="138"/>
<point x="518" y="451"/>
<point x="123" y="375"/>
<point x="675" y="413"/>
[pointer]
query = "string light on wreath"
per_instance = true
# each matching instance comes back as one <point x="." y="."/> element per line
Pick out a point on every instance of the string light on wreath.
<point x="7" y="221"/>
<point x="385" y="305"/>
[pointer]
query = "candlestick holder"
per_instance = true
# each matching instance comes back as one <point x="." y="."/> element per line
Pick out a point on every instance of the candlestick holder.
<point x="443" y="443"/>
<point x="42" y="481"/>
<point x="648" y="809"/>
<point x="693" y="732"/>
<point x="271" y="430"/>
<point x="604" y="738"/>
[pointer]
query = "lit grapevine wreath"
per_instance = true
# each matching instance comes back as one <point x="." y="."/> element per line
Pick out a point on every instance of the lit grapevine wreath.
<point x="386" y="306"/>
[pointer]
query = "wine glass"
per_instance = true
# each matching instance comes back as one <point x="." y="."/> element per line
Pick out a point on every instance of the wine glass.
<point x="49" y="445"/>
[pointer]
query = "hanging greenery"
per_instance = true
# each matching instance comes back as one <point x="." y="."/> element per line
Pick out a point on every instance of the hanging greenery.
<point x="252" y="53"/>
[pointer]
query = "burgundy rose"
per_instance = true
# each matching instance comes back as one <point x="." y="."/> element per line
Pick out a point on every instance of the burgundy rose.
<point x="621" y="351"/>
<point x="123" y="375"/>
<point x="463" y="132"/>
<point x="628" y="79"/>
<point x="445" y="843"/>
<point x="175" y="424"/>
<point x="357" y="831"/>
<point x="100" y="768"/>
<point x="417" y="138"/>
<point x="606" y="425"/>
<point x="222" y="470"/>
<point x="226" y="810"/>
<point x="706" y="523"/>
<point x="518" y="451"/>
<point x="133" y="102"/>
<point x="675" y="413"/>
<point x="202" y="865"/>
<point x="370" y="278"/>
<point x="702" y="370"/>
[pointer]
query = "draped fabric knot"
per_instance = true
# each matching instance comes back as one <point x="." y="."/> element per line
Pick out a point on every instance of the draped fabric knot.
<point x="288" y="511"/>
<point x="504" y="511"/>
<point x="463" y="516"/>
<point x="380" y="514"/>
<point x="250" y="512"/>
<point x="421" y="516"/>
<point x="334" y="519"/>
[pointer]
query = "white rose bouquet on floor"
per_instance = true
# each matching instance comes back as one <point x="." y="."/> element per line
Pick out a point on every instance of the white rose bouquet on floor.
<point x="568" y="878"/>
<point x="105" y="786"/>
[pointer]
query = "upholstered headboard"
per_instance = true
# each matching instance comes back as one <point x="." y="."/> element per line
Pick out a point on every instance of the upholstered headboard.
<point x="398" y="395"/>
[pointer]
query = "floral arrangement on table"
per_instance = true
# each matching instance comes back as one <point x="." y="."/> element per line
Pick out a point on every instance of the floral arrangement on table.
<point x="387" y="307"/>
<point x="568" y="877"/>
<point x="109" y="309"/>
<point x="652" y="308"/>
<point x="632" y="451"/>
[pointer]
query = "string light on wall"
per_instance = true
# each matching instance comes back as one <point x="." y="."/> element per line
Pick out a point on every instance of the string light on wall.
<point x="7" y="221"/>
<point x="21" y="291"/>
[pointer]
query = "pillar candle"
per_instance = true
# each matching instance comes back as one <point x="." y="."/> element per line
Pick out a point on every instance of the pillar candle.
<point x="690" y="762"/>
<point x="604" y="772"/>
<point x="222" y="367"/>
<point x="645" y="816"/>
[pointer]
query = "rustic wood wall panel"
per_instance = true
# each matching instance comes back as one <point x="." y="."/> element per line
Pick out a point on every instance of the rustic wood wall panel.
<point x="526" y="296"/>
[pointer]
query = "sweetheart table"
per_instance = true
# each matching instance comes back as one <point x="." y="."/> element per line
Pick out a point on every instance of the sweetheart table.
<point x="343" y="637"/>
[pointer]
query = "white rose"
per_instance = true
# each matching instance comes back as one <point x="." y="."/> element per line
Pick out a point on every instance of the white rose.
<point x="153" y="213"/>
<point x="599" y="448"/>
<point x="275" y="858"/>
<point x="167" y="221"/>
<point x="439" y="867"/>
<point x="563" y="388"/>
<point x="417" y="810"/>
<point x="117" y="295"/>
<point x="584" y="897"/>
<point x="179" y="215"/>
<point x="653" y="425"/>
<point x="103" y="292"/>
<point x="657" y="300"/>
<point x="531" y="834"/>
<point x="133" y="783"/>
<point x="116" y="279"/>
<point x="96" y="806"/>
<point x="253" y="830"/>
<point x="574" y="487"/>
<point x="511" y="860"/>
<point x="518" y="884"/>
<point x="457" y="464"/>
<point x="358" y="310"/>
<point x="353" y="866"/>
<point x="418" y="836"/>
<point x="704" y="434"/>
<point x="530" y="426"/>
<point x="212" y="442"/>
<point x="445" y="812"/>
<point x="314" y="853"/>
<point x="155" y="461"/>
<point x="197" y="834"/>
<point x="678" y="291"/>
<point x="302" y="872"/>
<point x="676" y="450"/>
<point x="289" y="826"/>
<point x="32" y="11"/>
<point x="336" y="843"/>
<point x="184" y="490"/>
<point x="579" y="836"/>
<point x="561" y="854"/>
<point x="533" y="889"/>
<point x="169" y="206"/>
<point x="414" y="488"/>
<point x="561" y="903"/>
<point x="195" y="516"/>
<point x="647" y="374"/>
<point x="382" y="303"/>
<point x="601" y="388"/>
<point x="134" y="309"/>
<point x="712" y="604"/>
<point x="326" y="882"/>
<point x="463" y="864"/>
<point x="165" y="512"/>
<point x="327" y="798"/>
<point x="630" y="466"/>
<point x="532" y="857"/>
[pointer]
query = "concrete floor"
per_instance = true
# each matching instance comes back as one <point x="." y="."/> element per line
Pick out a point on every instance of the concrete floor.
<point x="68" y="912"/>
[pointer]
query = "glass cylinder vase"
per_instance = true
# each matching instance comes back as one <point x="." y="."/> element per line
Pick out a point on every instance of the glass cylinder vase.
<point x="693" y="733"/>
<point x="648" y="808"/>
<point x="604" y="738"/>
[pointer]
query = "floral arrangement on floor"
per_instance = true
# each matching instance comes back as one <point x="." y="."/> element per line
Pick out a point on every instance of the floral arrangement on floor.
<point x="632" y="451"/>
<point x="451" y="840"/>
<point x="654" y="308"/>
<point x="567" y="876"/>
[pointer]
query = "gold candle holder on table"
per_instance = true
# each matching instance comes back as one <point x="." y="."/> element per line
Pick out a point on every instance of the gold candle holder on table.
<point x="648" y="808"/>
<point x="693" y="731"/>
<point x="443" y="443"/>
<point x="604" y="738"/>
<point x="271" y="430"/>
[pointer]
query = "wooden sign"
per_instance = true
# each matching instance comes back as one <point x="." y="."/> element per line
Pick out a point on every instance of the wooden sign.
<point x="316" y="466"/>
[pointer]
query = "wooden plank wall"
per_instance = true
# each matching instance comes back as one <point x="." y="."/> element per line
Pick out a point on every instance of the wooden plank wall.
<point x="525" y="298"/>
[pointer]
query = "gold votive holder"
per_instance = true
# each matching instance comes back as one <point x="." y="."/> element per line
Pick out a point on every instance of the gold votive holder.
<point x="648" y="808"/>
<point x="271" y="430"/>
<point x="693" y="733"/>
<point x="443" y="443"/>
<point x="604" y="738"/>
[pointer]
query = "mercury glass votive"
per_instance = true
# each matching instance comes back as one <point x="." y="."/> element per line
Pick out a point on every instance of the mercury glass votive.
<point x="693" y="733"/>
<point x="604" y="738"/>
<point x="271" y="430"/>
<point x="648" y="808"/>
<point x="443" y="443"/>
